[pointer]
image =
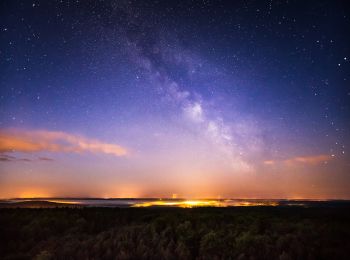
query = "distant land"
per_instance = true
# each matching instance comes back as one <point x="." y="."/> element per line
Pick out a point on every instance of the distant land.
<point x="168" y="202"/>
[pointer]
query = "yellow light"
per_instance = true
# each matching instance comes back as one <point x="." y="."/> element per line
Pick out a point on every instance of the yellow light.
<point x="65" y="202"/>
<point x="182" y="204"/>
<point x="205" y="203"/>
<point x="201" y="203"/>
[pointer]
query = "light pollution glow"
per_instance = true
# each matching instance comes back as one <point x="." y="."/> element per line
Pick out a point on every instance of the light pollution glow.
<point x="204" y="203"/>
<point x="190" y="175"/>
<point x="180" y="203"/>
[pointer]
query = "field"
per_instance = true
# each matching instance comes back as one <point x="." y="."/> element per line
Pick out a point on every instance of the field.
<point x="175" y="233"/>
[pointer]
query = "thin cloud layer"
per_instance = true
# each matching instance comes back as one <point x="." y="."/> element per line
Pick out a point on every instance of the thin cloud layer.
<point x="311" y="160"/>
<point x="315" y="159"/>
<point x="28" y="141"/>
<point x="10" y="158"/>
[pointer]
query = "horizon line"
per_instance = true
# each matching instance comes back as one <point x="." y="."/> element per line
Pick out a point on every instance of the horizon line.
<point x="169" y="198"/>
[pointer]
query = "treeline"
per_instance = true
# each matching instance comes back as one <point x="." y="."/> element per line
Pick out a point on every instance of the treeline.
<point x="173" y="233"/>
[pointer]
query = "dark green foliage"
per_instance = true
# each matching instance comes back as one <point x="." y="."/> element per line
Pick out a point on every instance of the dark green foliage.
<point x="174" y="233"/>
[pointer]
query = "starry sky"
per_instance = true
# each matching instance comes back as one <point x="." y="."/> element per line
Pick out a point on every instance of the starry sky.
<point x="219" y="99"/>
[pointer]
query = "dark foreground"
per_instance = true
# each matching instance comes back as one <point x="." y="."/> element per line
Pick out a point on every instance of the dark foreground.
<point x="175" y="233"/>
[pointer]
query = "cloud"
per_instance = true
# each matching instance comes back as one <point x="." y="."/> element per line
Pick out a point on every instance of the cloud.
<point x="310" y="160"/>
<point x="315" y="159"/>
<point x="269" y="162"/>
<point x="9" y="158"/>
<point x="28" y="141"/>
<point x="46" y="159"/>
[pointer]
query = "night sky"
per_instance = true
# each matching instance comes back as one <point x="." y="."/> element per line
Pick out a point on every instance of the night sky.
<point x="220" y="99"/>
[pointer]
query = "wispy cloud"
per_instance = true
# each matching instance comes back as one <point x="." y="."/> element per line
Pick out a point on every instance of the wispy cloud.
<point x="9" y="158"/>
<point x="310" y="160"/>
<point x="28" y="141"/>
<point x="45" y="159"/>
<point x="269" y="162"/>
<point x="315" y="159"/>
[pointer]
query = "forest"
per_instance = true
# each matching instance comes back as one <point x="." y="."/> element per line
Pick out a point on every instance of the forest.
<point x="175" y="233"/>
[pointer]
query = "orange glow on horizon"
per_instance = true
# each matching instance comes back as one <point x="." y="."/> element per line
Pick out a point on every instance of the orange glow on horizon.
<point x="33" y="194"/>
<point x="204" y="203"/>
